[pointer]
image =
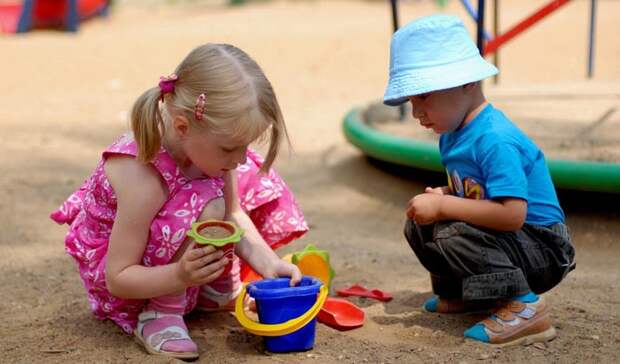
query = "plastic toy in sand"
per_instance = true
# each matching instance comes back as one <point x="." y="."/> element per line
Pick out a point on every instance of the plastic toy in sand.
<point x="310" y="261"/>
<point x="314" y="262"/>
<point x="336" y="313"/>
<point x="341" y="314"/>
<point x="221" y="234"/>
<point x="361" y="291"/>
<point x="287" y="315"/>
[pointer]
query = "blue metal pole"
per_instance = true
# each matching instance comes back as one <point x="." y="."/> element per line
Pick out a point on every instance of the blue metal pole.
<point x="474" y="15"/>
<point x="591" y="40"/>
<point x="105" y="11"/>
<point x="395" y="26"/>
<point x="25" y="19"/>
<point x="480" y="28"/>
<point x="72" y="19"/>
<point x="394" y="4"/>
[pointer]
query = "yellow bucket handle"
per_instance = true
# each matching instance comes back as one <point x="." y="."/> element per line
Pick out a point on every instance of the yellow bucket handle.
<point x="281" y="328"/>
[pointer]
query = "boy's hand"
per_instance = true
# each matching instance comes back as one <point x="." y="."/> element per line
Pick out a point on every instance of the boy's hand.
<point x="437" y="190"/>
<point x="281" y="268"/>
<point x="200" y="265"/>
<point x="425" y="208"/>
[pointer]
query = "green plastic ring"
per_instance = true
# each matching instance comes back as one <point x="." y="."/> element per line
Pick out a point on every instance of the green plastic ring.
<point x="234" y="237"/>
<point x="567" y="174"/>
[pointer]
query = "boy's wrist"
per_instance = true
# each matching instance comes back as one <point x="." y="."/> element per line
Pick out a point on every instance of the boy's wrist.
<point x="441" y="214"/>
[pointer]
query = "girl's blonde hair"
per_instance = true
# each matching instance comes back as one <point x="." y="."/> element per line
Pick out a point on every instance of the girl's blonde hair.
<point x="240" y="102"/>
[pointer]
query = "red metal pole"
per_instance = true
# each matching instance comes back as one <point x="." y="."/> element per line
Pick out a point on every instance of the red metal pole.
<point x="523" y="25"/>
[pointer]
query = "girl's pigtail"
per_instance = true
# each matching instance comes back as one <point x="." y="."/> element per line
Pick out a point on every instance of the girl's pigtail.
<point x="147" y="124"/>
<point x="278" y="132"/>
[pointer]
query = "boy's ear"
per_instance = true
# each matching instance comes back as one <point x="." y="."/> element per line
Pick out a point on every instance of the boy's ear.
<point x="181" y="125"/>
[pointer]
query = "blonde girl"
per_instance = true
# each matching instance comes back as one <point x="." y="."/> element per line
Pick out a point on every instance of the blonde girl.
<point x="187" y="159"/>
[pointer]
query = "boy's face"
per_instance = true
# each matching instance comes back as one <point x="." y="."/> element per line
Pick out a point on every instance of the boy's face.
<point x="443" y="111"/>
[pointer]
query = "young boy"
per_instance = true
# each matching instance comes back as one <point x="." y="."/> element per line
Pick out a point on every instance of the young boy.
<point x="496" y="234"/>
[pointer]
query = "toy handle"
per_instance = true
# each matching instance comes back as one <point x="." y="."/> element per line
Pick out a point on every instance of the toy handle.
<point x="281" y="328"/>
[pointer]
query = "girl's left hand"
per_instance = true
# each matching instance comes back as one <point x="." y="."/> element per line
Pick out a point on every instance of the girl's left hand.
<point x="281" y="268"/>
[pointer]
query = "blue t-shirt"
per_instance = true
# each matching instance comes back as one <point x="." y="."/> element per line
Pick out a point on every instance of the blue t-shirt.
<point x="491" y="158"/>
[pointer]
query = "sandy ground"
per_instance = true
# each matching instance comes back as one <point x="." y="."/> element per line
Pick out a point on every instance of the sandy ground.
<point x="66" y="96"/>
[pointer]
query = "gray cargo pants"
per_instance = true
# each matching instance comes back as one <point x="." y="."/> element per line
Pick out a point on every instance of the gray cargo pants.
<point x="473" y="263"/>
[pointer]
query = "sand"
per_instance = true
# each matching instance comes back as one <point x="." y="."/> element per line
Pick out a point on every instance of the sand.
<point x="215" y="232"/>
<point x="66" y="96"/>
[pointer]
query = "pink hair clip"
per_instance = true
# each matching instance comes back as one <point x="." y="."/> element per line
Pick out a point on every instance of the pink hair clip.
<point x="166" y="85"/>
<point x="200" y="106"/>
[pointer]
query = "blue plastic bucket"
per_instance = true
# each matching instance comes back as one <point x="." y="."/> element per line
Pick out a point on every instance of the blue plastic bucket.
<point x="277" y="302"/>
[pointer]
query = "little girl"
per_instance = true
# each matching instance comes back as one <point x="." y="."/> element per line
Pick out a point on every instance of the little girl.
<point x="187" y="160"/>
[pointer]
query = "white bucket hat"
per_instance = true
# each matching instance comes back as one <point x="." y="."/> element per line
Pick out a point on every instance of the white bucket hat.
<point x="433" y="53"/>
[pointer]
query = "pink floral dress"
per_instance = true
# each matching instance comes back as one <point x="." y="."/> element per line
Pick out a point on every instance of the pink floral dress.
<point x="90" y="213"/>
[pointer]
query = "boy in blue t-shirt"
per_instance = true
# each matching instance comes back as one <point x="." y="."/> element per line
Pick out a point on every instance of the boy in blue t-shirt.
<point x="495" y="235"/>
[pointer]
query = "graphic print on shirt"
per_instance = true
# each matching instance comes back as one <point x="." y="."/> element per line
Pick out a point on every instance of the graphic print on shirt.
<point x="466" y="187"/>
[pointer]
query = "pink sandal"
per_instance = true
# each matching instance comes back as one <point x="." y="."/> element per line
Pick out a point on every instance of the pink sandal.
<point x="165" y="334"/>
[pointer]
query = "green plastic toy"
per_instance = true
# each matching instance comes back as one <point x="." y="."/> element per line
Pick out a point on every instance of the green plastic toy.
<point x="314" y="262"/>
<point x="221" y="234"/>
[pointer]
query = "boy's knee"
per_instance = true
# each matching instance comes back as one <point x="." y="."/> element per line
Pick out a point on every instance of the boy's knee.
<point x="214" y="210"/>
<point x="410" y="231"/>
<point x="415" y="235"/>
<point x="459" y="240"/>
<point x="457" y="247"/>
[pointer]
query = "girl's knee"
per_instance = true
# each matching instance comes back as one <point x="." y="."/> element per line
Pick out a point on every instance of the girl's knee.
<point x="214" y="210"/>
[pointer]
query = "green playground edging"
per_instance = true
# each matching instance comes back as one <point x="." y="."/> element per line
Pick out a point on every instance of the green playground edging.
<point x="567" y="174"/>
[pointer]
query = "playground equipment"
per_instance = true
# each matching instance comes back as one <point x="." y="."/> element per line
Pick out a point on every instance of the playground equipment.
<point x="596" y="176"/>
<point x="287" y="314"/>
<point x="492" y="44"/>
<point x="567" y="174"/>
<point x="23" y="16"/>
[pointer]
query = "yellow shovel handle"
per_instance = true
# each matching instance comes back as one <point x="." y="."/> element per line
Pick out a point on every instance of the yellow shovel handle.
<point x="281" y="328"/>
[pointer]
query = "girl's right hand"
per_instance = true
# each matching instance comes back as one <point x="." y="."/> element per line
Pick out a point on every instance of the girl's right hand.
<point x="200" y="265"/>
